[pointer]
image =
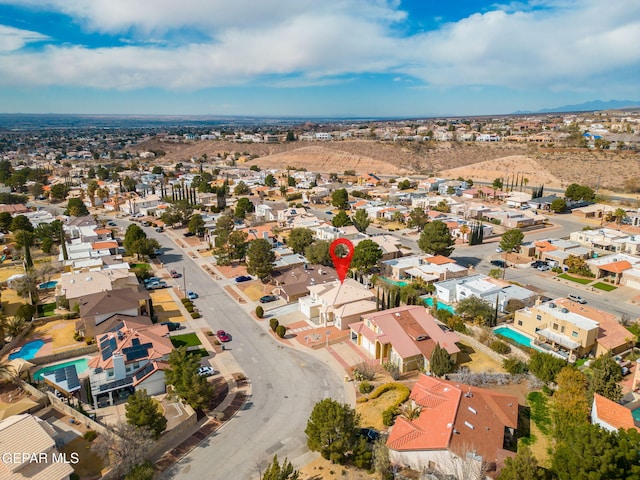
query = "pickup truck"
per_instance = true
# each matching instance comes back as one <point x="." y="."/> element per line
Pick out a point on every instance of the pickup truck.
<point x="156" y="285"/>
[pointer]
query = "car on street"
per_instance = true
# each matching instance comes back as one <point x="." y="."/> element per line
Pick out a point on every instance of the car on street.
<point x="159" y="229"/>
<point x="223" y="336"/>
<point x="149" y="280"/>
<point x="191" y="295"/>
<point x="268" y="298"/>
<point x="539" y="263"/>
<point x="172" y="326"/>
<point x="498" y="263"/>
<point x="576" y="298"/>
<point x="499" y="250"/>
<point x="112" y="224"/>
<point x="544" y="268"/>
<point x="206" y="371"/>
<point x="146" y="224"/>
<point x="175" y="274"/>
<point x="243" y="278"/>
<point x="328" y="212"/>
<point x="188" y="234"/>
<point x="370" y="434"/>
<point x="156" y="285"/>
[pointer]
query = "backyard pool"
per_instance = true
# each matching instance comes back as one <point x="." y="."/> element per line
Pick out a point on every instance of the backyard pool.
<point x="395" y="282"/>
<point x="441" y="306"/>
<point x="636" y="414"/>
<point x="28" y="350"/>
<point x="82" y="365"/>
<point x="48" y="285"/>
<point x="513" y="335"/>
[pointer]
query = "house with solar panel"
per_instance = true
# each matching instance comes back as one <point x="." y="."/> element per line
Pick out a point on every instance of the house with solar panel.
<point x="129" y="359"/>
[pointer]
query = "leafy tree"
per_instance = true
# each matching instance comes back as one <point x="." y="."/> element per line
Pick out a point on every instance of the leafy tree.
<point x="299" y="239"/>
<point x="196" y="224"/>
<point x="318" y="253"/>
<point x="619" y="214"/>
<point x="137" y="243"/>
<point x="475" y="308"/>
<point x="144" y="471"/>
<point x="578" y="265"/>
<point x="545" y="366"/>
<point x="361" y="220"/>
<point x="340" y="199"/>
<point x="76" y="208"/>
<point x="222" y="232"/>
<point x="495" y="273"/>
<point x="417" y="219"/>
<point x="157" y="170"/>
<point x="578" y="192"/>
<point x="604" y="378"/>
<point x="290" y="136"/>
<point x="243" y="206"/>
<point x="511" y="240"/>
<point x="241" y="189"/>
<point x="59" y="192"/>
<point x="260" y="258"/>
<point x="5" y="221"/>
<point x="515" y="366"/>
<point x="238" y="244"/>
<point x="443" y="207"/>
<point x="134" y="233"/>
<point x="291" y="182"/>
<point x="366" y="255"/>
<point x="341" y="219"/>
<point x="523" y="466"/>
<point x="404" y="185"/>
<point x="20" y="222"/>
<point x="143" y="411"/>
<point x="559" y="205"/>
<point x="275" y="471"/>
<point x="331" y="430"/>
<point x="571" y="405"/>
<point x="589" y="452"/>
<point x="125" y="447"/>
<point x="183" y="375"/>
<point x="270" y="180"/>
<point x="436" y="239"/>
<point x="497" y="184"/>
<point x="440" y="362"/>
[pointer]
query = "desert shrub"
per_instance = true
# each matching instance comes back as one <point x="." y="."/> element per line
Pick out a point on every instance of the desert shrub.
<point x="365" y="387"/>
<point x="26" y="311"/>
<point x="388" y="416"/>
<point x="393" y="370"/>
<point x="515" y="366"/>
<point x="500" y="347"/>
<point x="273" y="324"/>
<point x="259" y="311"/>
<point x="189" y="307"/>
<point x="281" y="331"/>
<point x="89" y="340"/>
<point x="364" y="371"/>
<point x="185" y="300"/>
<point x="362" y="400"/>
<point x="195" y="315"/>
<point x="90" y="435"/>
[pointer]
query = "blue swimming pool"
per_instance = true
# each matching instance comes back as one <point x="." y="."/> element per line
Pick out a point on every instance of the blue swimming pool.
<point x="441" y="306"/>
<point x="513" y="335"/>
<point x="636" y="414"/>
<point x="395" y="282"/>
<point x="82" y="365"/>
<point x="48" y="285"/>
<point x="28" y="350"/>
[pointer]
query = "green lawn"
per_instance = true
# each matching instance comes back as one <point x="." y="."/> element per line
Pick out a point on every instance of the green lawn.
<point x="202" y="352"/>
<point x="604" y="286"/>
<point x="46" y="310"/>
<point x="188" y="339"/>
<point x="540" y="412"/>
<point x="141" y="266"/>
<point x="582" y="281"/>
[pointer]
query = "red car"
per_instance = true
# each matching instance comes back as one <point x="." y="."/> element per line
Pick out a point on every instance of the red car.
<point x="175" y="274"/>
<point x="223" y="336"/>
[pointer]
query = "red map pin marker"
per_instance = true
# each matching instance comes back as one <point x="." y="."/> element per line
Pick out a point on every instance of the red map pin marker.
<point x="341" y="263"/>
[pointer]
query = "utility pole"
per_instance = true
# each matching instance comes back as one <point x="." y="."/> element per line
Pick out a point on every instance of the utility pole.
<point x="184" y="282"/>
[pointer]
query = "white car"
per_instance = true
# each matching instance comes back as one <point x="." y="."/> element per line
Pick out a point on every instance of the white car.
<point x="206" y="371"/>
<point x="499" y="250"/>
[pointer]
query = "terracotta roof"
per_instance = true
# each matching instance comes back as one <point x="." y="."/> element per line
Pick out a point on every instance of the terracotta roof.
<point x="616" y="267"/>
<point x="104" y="245"/>
<point x="439" y="260"/>
<point x="100" y="231"/>
<point x="545" y="246"/>
<point x="613" y="413"/>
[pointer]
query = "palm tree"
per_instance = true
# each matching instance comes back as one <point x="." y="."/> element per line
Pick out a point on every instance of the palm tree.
<point x="15" y="326"/>
<point x="464" y="230"/>
<point x="411" y="411"/>
<point x="7" y="371"/>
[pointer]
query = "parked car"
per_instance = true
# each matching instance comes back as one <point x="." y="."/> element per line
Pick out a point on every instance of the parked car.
<point x="498" y="263"/>
<point x="172" y="326"/>
<point x="112" y="224"/>
<point x="268" y="298"/>
<point x="544" y="268"/>
<point x="175" y="274"/>
<point x="539" y="263"/>
<point x="243" y="278"/>
<point x="576" y="298"/>
<point x="329" y="212"/>
<point x="223" y="336"/>
<point x="146" y="224"/>
<point x="370" y="434"/>
<point x="189" y="234"/>
<point x="156" y="285"/>
<point x="149" y="280"/>
<point x="499" y="250"/>
<point x="206" y="371"/>
<point x="192" y="295"/>
<point x="159" y="229"/>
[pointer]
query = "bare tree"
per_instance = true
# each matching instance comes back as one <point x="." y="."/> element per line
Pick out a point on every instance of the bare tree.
<point x="124" y="448"/>
<point x="381" y="461"/>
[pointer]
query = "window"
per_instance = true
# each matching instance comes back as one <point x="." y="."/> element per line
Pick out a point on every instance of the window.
<point x="538" y="317"/>
<point x="519" y="322"/>
<point x="574" y="334"/>
<point x="555" y="326"/>
<point x="562" y="329"/>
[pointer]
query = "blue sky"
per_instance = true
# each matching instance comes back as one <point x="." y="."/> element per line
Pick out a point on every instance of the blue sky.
<point x="315" y="58"/>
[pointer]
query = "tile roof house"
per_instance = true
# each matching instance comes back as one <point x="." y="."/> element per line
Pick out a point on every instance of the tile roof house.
<point x="610" y="415"/>
<point x="404" y="336"/>
<point x="26" y="434"/>
<point x="129" y="359"/>
<point x="457" y="424"/>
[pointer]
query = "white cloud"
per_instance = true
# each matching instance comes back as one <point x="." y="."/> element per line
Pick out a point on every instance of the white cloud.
<point x="560" y="44"/>
<point x="12" y="39"/>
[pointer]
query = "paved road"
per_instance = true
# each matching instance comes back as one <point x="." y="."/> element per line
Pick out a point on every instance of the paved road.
<point x="285" y="383"/>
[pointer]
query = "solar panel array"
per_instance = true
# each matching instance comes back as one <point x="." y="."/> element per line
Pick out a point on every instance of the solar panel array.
<point x="105" y="387"/>
<point x="107" y="348"/>
<point x="68" y="374"/>
<point x="143" y="372"/>
<point x="137" y="351"/>
<point x="117" y="327"/>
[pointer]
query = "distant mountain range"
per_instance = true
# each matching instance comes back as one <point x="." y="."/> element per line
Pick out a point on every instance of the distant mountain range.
<point x="588" y="106"/>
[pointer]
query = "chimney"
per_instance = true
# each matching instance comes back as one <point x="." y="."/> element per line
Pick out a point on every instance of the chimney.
<point x="119" y="370"/>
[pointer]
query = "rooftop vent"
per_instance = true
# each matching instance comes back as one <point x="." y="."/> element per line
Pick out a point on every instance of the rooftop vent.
<point x="473" y="410"/>
<point x="421" y="337"/>
<point x="564" y="310"/>
<point x="552" y="305"/>
<point x="469" y="425"/>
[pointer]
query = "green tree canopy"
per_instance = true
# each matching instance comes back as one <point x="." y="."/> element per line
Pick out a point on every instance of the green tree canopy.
<point x="143" y="411"/>
<point x="340" y="199"/>
<point x="243" y="206"/>
<point x="545" y="366"/>
<point x="241" y="189"/>
<point x="604" y="378"/>
<point x="524" y="466"/>
<point x="275" y="471"/>
<point x="5" y="221"/>
<point x="238" y="244"/>
<point x="571" y="405"/>
<point x="511" y="240"/>
<point x="20" y="222"/>
<point x="331" y="430"/>
<point x="361" y="220"/>
<point x="318" y="253"/>
<point x="366" y="255"/>
<point x="223" y="250"/>
<point x="475" y="308"/>
<point x="440" y="362"/>
<point x="299" y="239"/>
<point x="341" y="219"/>
<point x="436" y="239"/>
<point x="270" y="180"/>
<point x="418" y="218"/>
<point x="559" y="205"/>
<point x="579" y="192"/>
<point x="76" y="208"/>
<point x="59" y="192"/>
<point x="196" y="224"/>
<point x="183" y="375"/>
<point x="260" y="258"/>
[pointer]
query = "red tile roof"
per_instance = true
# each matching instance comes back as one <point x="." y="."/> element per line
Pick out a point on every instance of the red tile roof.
<point x="613" y="413"/>
<point x="104" y="245"/>
<point x="616" y="267"/>
<point x="439" y="260"/>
